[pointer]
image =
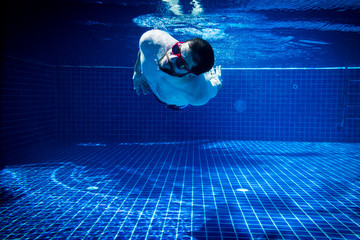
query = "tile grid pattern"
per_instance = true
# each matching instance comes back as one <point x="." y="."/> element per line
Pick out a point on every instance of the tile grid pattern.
<point x="261" y="104"/>
<point x="203" y="189"/>
<point x="41" y="102"/>
<point x="28" y="103"/>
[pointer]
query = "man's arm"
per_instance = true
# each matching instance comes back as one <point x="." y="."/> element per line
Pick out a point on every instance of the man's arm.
<point x="137" y="67"/>
<point x="139" y="79"/>
<point x="210" y="89"/>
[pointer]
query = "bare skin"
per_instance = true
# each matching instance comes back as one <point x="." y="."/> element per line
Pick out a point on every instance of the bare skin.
<point x="155" y="70"/>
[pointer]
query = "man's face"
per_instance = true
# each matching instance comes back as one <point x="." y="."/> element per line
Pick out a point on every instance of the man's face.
<point x="178" y="60"/>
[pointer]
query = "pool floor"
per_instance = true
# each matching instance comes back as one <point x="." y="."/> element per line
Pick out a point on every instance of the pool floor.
<point x="182" y="190"/>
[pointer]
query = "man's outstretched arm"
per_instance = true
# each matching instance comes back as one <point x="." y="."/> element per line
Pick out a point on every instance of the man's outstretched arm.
<point x="139" y="79"/>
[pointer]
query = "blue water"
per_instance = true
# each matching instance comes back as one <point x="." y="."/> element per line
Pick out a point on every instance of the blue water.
<point x="183" y="190"/>
<point x="274" y="156"/>
<point x="244" y="33"/>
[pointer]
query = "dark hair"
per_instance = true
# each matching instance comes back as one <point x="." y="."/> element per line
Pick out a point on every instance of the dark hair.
<point x="203" y="55"/>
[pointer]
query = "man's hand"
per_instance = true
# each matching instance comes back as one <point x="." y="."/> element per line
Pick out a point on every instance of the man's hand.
<point x="140" y="82"/>
<point x="217" y="72"/>
<point x="215" y="75"/>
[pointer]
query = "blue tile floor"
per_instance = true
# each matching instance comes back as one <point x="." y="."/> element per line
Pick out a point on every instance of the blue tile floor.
<point x="183" y="190"/>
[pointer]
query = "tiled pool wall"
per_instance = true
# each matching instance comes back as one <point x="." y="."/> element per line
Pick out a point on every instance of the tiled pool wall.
<point x="98" y="103"/>
<point x="28" y="100"/>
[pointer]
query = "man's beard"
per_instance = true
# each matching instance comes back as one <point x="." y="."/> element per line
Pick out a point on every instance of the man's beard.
<point x="166" y="70"/>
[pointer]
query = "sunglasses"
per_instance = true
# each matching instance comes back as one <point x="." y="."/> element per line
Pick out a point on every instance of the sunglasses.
<point x="180" y="62"/>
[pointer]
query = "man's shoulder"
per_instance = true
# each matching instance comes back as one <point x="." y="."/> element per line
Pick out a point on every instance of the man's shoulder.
<point x="203" y="90"/>
<point x="155" y="42"/>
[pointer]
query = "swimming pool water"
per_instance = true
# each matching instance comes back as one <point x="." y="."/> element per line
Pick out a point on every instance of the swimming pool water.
<point x="274" y="156"/>
<point x="183" y="190"/>
<point x="247" y="33"/>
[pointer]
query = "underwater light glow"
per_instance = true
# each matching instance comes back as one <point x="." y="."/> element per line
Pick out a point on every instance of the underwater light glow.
<point x="242" y="190"/>
<point x="240" y="105"/>
<point x="90" y="144"/>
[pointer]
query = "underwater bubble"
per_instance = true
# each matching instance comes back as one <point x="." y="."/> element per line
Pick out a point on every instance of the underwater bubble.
<point x="240" y="105"/>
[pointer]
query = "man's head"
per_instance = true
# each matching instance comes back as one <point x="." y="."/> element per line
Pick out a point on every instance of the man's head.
<point x="203" y="55"/>
<point x="193" y="57"/>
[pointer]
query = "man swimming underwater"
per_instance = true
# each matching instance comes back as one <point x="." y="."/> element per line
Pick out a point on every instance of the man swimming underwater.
<point x="178" y="73"/>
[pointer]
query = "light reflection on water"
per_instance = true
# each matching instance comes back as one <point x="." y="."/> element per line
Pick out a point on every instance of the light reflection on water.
<point x="243" y="36"/>
<point x="172" y="190"/>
